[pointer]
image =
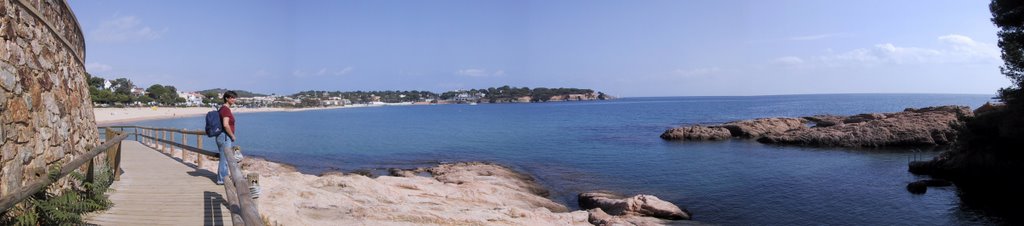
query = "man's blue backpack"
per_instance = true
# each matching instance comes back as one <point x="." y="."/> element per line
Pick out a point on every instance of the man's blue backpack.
<point x="213" y="124"/>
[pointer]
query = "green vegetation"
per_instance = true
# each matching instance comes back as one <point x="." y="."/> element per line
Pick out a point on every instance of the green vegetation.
<point x="370" y="96"/>
<point x="511" y="94"/>
<point x="1008" y="16"/>
<point x="165" y="95"/>
<point x="999" y="131"/>
<point x="120" y="93"/>
<point x="65" y="208"/>
<point x="241" y="93"/>
<point x="986" y="163"/>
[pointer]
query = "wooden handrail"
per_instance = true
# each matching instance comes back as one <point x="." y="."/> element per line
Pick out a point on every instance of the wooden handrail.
<point x="183" y="146"/>
<point x="33" y="187"/>
<point x="243" y="210"/>
<point x="245" y="206"/>
<point x="196" y="132"/>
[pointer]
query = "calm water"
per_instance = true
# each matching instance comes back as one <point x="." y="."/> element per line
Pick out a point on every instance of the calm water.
<point x="614" y="145"/>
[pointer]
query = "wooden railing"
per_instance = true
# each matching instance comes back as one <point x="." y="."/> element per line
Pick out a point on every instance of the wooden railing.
<point x="243" y="210"/>
<point x="112" y="146"/>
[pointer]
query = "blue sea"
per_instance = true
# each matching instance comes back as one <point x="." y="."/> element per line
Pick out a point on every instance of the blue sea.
<point x="573" y="147"/>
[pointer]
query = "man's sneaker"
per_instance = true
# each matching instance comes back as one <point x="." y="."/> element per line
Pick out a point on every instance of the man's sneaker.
<point x="220" y="182"/>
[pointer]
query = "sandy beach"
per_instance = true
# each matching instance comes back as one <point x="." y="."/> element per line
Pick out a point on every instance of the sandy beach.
<point x="108" y="116"/>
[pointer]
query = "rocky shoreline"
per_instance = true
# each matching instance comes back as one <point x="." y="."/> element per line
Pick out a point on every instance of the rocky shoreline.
<point x="930" y="126"/>
<point x="471" y="193"/>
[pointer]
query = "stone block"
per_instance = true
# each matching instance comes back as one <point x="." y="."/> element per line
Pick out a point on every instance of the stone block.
<point x="8" y="152"/>
<point x="8" y="77"/>
<point x="12" y="176"/>
<point x="18" y="111"/>
<point x="25" y="133"/>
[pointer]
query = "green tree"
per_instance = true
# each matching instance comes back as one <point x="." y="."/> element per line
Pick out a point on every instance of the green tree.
<point x="94" y="82"/>
<point x="144" y="99"/>
<point x="165" y="95"/>
<point x="1008" y="16"/>
<point x="122" y="86"/>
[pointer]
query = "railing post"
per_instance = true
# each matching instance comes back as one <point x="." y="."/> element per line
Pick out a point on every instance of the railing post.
<point x="110" y="150"/>
<point x="117" y="163"/>
<point x="184" y="140"/>
<point x="163" y="144"/>
<point x="199" y="144"/>
<point x="136" y="133"/>
<point x="170" y="141"/>
<point x="113" y="153"/>
<point x="90" y="175"/>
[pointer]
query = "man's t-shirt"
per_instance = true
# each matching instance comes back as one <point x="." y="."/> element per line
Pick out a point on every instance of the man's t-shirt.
<point x="226" y="112"/>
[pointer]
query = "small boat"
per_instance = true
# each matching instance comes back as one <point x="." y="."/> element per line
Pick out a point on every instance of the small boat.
<point x="474" y="103"/>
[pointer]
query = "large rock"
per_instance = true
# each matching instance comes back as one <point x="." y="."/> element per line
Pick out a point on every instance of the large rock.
<point x="746" y="129"/>
<point x="697" y="133"/>
<point x="599" y="218"/>
<point x="825" y="120"/>
<point x="910" y="128"/>
<point x="638" y="205"/>
<point x="459" y="194"/>
<point x="763" y="126"/>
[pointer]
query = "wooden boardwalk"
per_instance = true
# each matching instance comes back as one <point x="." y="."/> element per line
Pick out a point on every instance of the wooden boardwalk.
<point x="156" y="189"/>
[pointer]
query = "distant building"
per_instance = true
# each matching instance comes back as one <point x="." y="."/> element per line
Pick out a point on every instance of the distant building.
<point x="138" y="91"/>
<point x="466" y="97"/>
<point x="334" y="101"/>
<point x="264" y="101"/>
<point x="192" y="99"/>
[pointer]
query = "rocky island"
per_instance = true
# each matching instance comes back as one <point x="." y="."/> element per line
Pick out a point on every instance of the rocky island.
<point x="930" y="126"/>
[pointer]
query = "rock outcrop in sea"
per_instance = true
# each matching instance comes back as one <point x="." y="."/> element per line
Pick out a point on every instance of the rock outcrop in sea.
<point x="640" y="205"/>
<point x="928" y="126"/>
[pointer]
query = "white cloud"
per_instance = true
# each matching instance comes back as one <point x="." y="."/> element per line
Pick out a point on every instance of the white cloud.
<point x="344" y="71"/>
<point x="957" y="49"/>
<point x="473" y="72"/>
<point x="322" y="72"/>
<point x="97" y="67"/>
<point x="696" y="72"/>
<point x="813" y="37"/>
<point x="126" y="28"/>
<point x="789" y="60"/>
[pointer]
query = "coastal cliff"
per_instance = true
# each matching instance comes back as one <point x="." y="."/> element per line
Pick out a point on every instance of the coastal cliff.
<point x="929" y="126"/>
<point x="985" y="164"/>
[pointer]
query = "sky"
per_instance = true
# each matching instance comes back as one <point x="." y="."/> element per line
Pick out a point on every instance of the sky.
<point x="623" y="48"/>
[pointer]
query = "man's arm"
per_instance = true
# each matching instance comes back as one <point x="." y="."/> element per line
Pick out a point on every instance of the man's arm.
<point x="227" y="128"/>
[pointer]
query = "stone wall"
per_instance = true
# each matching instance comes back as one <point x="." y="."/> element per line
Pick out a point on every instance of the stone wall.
<point x="47" y="116"/>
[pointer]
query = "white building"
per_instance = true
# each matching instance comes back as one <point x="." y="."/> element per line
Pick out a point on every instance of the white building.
<point x="192" y="99"/>
<point x="264" y="101"/>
